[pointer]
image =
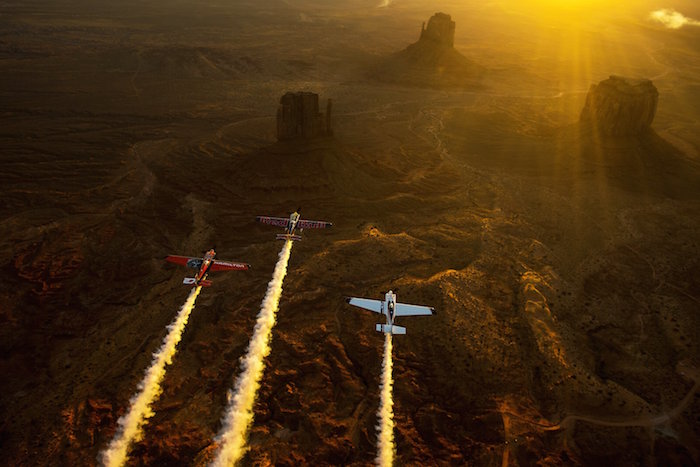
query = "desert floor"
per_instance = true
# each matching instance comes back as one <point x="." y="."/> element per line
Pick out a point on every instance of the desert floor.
<point x="565" y="267"/>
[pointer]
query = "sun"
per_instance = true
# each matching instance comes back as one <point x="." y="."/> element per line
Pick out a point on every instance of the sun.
<point x="564" y="7"/>
<point x="566" y="12"/>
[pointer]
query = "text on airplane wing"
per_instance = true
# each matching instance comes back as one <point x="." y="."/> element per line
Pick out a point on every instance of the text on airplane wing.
<point x="403" y="309"/>
<point x="228" y="266"/>
<point x="366" y="303"/>
<point x="278" y="221"/>
<point x="305" y="224"/>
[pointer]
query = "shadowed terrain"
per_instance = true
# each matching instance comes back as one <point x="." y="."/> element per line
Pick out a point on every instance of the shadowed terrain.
<point x="564" y="264"/>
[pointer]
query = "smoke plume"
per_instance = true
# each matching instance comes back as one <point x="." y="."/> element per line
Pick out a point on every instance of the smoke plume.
<point x="131" y="423"/>
<point x="385" y="426"/>
<point x="239" y="413"/>
<point x="672" y="19"/>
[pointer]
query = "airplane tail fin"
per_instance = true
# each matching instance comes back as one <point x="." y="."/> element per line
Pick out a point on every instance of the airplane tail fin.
<point x="192" y="281"/>
<point x="385" y="328"/>
<point x="288" y="237"/>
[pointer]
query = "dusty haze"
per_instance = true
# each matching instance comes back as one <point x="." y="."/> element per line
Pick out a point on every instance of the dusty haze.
<point x="564" y="265"/>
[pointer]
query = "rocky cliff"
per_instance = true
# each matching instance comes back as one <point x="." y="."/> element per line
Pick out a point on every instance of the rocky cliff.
<point x="440" y="30"/>
<point x="298" y="117"/>
<point x="620" y="106"/>
<point x="432" y="61"/>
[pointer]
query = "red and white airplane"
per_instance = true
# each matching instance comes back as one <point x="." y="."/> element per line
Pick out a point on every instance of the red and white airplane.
<point x="391" y="309"/>
<point x="291" y="224"/>
<point x="204" y="266"/>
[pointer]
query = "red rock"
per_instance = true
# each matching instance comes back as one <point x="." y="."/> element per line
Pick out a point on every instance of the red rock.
<point x="298" y="117"/>
<point x="621" y="106"/>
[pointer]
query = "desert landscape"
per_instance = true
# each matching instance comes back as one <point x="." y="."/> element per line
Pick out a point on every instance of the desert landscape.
<point x="535" y="177"/>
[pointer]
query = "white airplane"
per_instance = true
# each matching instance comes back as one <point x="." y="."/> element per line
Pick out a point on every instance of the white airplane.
<point x="391" y="309"/>
<point x="290" y="224"/>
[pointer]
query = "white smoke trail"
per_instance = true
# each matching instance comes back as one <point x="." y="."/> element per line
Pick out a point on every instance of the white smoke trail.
<point x="672" y="19"/>
<point x="385" y="426"/>
<point x="239" y="413"/>
<point x="131" y="423"/>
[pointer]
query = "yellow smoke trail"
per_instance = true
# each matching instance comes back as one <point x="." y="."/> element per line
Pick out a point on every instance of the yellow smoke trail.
<point x="385" y="427"/>
<point x="239" y="413"/>
<point x="131" y="423"/>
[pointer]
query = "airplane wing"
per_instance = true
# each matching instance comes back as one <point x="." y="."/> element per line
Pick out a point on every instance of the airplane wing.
<point x="278" y="221"/>
<point x="228" y="266"/>
<point x="366" y="303"/>
<point x="403" y="309"/>
<point x="181" y="260"/>
<point x="306" y="224"/>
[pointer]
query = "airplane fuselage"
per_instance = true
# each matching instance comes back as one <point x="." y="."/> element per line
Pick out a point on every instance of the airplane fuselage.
<point x="207" y="262"/>
<point x="293" y="219"/>
<point x="389" y="307"/>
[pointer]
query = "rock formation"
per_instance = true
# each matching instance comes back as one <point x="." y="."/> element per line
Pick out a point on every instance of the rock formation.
<point x="441" y="30"/>
<point x="432" y="61"/>
<point x="620" y="106"/>
<point x="298" y="117"/>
